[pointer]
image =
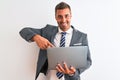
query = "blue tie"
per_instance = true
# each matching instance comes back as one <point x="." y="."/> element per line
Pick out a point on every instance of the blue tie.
<point x="62" y="44"/>
<point x="62" y="41"/>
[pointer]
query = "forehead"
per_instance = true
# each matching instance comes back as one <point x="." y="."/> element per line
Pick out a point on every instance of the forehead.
<point x="63" y="11"/>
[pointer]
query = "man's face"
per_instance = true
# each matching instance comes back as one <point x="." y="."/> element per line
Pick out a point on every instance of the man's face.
<point x="63" y="18"/>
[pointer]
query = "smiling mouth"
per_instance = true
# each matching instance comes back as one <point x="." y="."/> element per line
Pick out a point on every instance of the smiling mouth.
<point x="63" y="24"/>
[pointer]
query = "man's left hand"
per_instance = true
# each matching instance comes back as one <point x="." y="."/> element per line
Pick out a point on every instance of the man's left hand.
<point x="65" y="69"/>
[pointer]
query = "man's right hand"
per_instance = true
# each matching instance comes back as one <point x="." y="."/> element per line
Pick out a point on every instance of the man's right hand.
<point x="42" y="42"/>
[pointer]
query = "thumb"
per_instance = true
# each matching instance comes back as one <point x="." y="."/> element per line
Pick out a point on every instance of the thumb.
<point x="72" y="69"/>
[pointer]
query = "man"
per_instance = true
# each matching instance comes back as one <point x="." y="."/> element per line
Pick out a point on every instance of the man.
<point x="50" y="35"/>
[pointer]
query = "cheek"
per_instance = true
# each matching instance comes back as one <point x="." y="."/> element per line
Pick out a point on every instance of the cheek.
<point x="69" y="20"/>
<point x="58" y="20"/>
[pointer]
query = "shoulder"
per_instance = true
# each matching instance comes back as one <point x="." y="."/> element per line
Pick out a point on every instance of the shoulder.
<point x="49" y="29"/>
<point x="48" y="26"/>
<point x="78" y="31"/>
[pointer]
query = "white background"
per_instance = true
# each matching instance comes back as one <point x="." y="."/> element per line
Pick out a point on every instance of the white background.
<point x="100" y="19"/>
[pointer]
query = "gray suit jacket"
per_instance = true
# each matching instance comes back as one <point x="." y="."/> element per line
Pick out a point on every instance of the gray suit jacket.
<point x="49" y="33"/>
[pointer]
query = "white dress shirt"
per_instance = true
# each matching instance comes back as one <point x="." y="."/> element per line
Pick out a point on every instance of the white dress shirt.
<point x="52" y="73"/>
<point x="68" y="37"/>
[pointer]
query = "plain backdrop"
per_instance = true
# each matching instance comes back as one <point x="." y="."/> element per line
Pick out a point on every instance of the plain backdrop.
<point x="100" y="19"/>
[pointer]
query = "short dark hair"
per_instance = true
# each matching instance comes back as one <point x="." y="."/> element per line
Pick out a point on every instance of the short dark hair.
<point x="62" y="5"/>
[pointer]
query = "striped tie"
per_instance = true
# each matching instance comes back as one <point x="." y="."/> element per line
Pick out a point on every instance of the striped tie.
<point x="62" y="44"/>
<point x="62" y="41"/>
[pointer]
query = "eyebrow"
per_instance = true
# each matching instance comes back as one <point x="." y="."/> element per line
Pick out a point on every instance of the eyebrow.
<point x="66" y="15"/>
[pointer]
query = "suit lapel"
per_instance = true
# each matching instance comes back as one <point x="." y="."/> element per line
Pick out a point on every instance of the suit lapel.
<point x="74" y="37"/>
<point x="53" y="35"/>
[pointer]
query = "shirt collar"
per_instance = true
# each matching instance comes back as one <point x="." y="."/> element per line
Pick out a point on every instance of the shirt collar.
<point x="69" y="31"/>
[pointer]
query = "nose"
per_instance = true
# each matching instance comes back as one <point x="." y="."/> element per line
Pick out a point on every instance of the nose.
<point x="63" y="19"/>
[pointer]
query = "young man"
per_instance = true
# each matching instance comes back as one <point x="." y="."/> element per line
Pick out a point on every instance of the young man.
<point x="50" y="36"/>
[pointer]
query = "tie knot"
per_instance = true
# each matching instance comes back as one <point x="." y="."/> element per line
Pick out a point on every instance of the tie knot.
<point x="63" y="33"/>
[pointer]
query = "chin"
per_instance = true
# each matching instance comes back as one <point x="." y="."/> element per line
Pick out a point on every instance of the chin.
<point x="64" y="28"/>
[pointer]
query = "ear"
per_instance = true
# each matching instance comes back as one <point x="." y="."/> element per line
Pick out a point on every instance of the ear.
<point x="71" y="14"/>
<point x="55" y="17"/>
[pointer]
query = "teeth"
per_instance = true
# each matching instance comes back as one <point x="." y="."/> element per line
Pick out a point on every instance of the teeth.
<point x="63" y="23"/>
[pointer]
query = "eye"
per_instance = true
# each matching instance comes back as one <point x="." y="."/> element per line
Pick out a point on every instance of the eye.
<point x="59" y="16"/>
<point x="67" y="16"/>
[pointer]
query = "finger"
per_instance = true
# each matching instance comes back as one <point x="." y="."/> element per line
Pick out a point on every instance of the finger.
<point x="58" y="69"/>
<point x="61" y="68"/>
<point x="42" y="47"/>
<point x="72" y="69"/>
<point x="66" y="68"/>
<point x="50" y="44"/>
<point x="46" y="45"/>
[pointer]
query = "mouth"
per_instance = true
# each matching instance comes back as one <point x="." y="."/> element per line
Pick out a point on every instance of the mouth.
<point x="63" y="24"/>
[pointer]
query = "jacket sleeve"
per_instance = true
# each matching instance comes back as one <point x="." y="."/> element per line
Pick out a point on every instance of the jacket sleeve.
<point x="76" y="76"/>
<point x="27" y="33"/>
<point x="89" y="61"/>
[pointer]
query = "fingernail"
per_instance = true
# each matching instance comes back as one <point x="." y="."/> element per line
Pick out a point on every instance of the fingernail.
<point x="58" y="64"/>
<point x="63" y="62"/>
<point x="71" y="66"/>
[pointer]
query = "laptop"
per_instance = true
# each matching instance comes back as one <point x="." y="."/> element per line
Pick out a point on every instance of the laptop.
<point x="73" y="56"/>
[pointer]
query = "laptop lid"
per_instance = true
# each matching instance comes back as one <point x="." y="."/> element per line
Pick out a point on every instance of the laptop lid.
<point x="73" y="56"/>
